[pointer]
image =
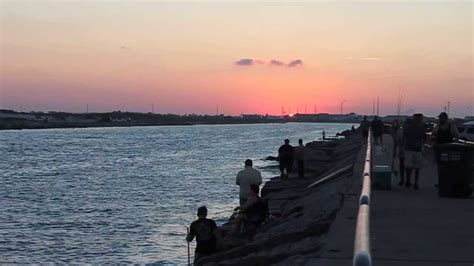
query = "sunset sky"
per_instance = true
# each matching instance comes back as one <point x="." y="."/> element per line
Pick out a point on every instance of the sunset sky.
<point x="245" y="57"/>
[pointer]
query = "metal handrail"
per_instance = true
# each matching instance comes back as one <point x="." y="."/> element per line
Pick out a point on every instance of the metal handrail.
<point x="362" y="256"/>
<point x="330" y="176"/>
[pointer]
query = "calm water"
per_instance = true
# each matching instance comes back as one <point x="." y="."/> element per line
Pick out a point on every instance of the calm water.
<point x="102" y="195"/>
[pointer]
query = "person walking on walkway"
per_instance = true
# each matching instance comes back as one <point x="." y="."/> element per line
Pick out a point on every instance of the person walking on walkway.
<point x="206" y="233"/>
<point x="365" y="126"/>
<point x="377" y="129"/>
<point x="414" y="136"/>
<point x="399" y="151"/>
<point x="285" y="156"/>
<point x="445" y="131"/>
<point x="299" y="157"/>
<point x="393" y="132"/>
<point x="246" y="177"/>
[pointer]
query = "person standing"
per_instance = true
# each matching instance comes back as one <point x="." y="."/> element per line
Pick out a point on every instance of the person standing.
<point x="400" y="151"/>
<point x="394" y="132"/>
<point x="365" y="126"/>
<point x="285" y="156"/>
<point x="246" y="177"/>
<point x="414" y="135"/>
<point x="206" y="233"/>
<point x="445" y="131"/>
<point x="377" y="129"/>
<point x="299" y="157"/>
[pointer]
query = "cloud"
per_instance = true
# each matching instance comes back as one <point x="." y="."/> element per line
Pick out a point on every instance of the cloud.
<point x="371" y="58"/>
<point x="295" y="63"/>
<point x="245" y="62"/>
<point x="276" y="62"/>
<point x="273" y="62"/>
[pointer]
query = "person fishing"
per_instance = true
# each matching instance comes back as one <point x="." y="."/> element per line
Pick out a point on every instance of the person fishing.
<point x="245" y="178"/>
<point x="206" y="233"/>
<point x="299" y="157"/>
<point x="285" y="156"/>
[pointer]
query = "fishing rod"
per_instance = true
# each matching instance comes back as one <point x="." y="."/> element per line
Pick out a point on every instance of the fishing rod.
<point x="189" y="256"/>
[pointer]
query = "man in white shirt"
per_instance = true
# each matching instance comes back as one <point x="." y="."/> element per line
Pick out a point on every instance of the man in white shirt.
<point x="247" y="177"/>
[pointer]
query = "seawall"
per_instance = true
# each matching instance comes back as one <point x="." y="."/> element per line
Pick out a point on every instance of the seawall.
<point x="303" y="208"/>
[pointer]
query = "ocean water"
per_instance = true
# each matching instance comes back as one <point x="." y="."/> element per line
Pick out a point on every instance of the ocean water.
<point x="102" y="195"/>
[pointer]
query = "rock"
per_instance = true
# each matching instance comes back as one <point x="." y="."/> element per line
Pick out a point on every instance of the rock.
<point x="303" y="215"/>
<point x="271" y="158"/>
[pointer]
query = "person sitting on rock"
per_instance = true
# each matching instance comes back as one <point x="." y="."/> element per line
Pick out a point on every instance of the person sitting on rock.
<point x="253" y="213"/>
<point x="285" y="156"/>
<point x="246" y="177"/>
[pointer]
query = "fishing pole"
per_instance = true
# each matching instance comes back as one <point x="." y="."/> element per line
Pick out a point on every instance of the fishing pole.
<point x="189" y="257"/>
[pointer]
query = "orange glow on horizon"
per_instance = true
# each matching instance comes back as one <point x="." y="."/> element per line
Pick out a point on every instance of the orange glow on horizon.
<point x="182" y="57"/>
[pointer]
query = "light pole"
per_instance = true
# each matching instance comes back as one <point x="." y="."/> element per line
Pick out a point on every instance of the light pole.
<point x="342" y="103"/>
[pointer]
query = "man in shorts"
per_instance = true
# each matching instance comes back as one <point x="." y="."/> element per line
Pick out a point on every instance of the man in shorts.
<point x="414" y="137"/>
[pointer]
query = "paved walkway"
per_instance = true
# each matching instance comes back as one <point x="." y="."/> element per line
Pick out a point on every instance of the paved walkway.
<point x="407" y="227"/>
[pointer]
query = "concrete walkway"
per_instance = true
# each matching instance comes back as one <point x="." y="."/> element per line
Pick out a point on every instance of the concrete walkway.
<point x="407" y="227"/>
<point x="419" y="228"/>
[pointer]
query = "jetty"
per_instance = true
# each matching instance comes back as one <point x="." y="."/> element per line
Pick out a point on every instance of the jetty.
<point x="406" y="227"/>
<point x="335" y="216"/>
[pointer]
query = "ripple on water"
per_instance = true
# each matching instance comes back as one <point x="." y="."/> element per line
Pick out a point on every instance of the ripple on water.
<point x="124" y="195"/>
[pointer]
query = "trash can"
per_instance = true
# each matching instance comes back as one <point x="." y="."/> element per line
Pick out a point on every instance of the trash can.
<point x="455" y="169"/>
<point x="382" y="177"/>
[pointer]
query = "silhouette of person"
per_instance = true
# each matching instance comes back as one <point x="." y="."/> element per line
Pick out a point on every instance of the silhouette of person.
<point x="253" y="213"/>
<point x="299" y="157"/>
<point x="393" y="131"/>
<point x="414" y="135"/>
<point x="377" y="129"/>
<point x="445" y="131"/>
<point x="400" y="150"/>
<point x="246" y="177"/>
<point x="365" y="126"/>
<point x="285" y="156"/>
<point x="206" y="233"/>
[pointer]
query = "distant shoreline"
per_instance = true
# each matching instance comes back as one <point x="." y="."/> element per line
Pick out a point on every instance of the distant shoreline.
<point x="11" y="120"/>
<point x="159" y="125"/>
<point x="128" y="125"/>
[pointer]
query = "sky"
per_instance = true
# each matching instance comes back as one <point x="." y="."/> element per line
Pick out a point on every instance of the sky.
<point x="240" y="57"/>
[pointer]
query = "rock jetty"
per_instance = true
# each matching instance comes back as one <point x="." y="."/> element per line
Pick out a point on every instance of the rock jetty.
<point x="302" y="209"/>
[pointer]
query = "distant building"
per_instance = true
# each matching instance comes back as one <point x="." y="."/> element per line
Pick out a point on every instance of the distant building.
<point x="324" y="117"/>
